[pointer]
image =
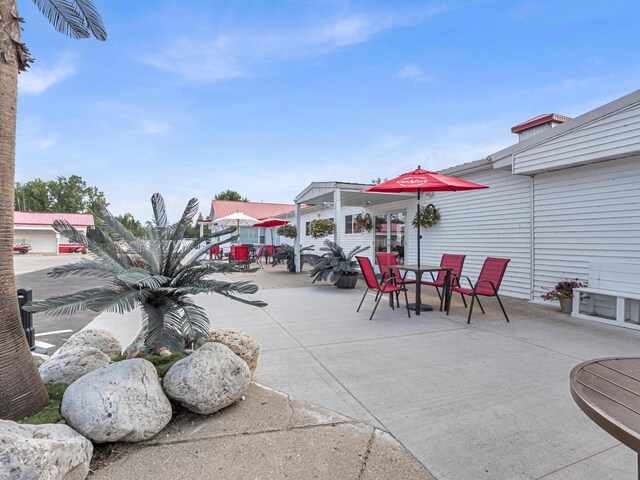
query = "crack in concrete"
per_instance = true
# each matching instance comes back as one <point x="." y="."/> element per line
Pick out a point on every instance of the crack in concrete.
<point x="292" y="412"/>
<point x="367" y="454"/>
<point x="245" y="433"/>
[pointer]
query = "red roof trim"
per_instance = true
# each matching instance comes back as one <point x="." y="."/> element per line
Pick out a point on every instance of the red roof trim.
<point x="540" y="120"/>
<point x="46" y="219"/>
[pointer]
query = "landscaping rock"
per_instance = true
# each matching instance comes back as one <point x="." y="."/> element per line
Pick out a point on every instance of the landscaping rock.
<point x="103" y="340"/>
<point x="43" y="452"/>
<point x="136" y="349"/>
<point x="121" y="402"/>
<point x="72" y="364"/>
<point x="238" y="341"/>
<point x="211" y="378"/>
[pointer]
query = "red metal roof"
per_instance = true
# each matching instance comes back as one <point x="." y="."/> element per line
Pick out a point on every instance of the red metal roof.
<point x="259" y="210"/>
<point x="539" y="120"/>
<point x="47" y="218"/>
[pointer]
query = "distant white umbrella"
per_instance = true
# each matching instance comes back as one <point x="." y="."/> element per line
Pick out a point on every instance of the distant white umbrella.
<point x="238" y="219"/>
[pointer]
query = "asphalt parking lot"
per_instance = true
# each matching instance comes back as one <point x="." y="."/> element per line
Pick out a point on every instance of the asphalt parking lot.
<point x="31" y="272"/>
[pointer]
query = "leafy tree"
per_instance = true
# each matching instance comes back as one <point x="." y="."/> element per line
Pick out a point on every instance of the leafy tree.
<point x="130" y="223"/>
<point x="32" y="196"/>
<point x="70" y="195"/>
<point x="231" y="195"/>
<point x="378" y="181"/>
<point x="21" y="389"/>
<point x="153" y="273"/>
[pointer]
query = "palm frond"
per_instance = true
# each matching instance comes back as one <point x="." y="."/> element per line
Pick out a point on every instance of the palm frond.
<point x="64" y="17"/>
<point x="159" y="211"/>
<point x="92" y="19"/>
<point x="84" y="268"/>
<point x="139" y="279"/>
<point x="90" y="299"/>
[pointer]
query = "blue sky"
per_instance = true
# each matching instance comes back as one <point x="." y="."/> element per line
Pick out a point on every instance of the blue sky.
<point x="193" y="97"/>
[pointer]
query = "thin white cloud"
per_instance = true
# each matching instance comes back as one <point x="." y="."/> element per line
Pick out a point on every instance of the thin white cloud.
<point x="415" y="73"/>
<point x="239" y="51"/>
<point x="39" y="78"/>
<point x="154" y="127"/>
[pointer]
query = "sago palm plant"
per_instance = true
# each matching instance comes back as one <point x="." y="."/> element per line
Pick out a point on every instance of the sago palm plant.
<point x="155" y="273"/>
<point x="287" y="254"/>
<point x="335" y="263"/>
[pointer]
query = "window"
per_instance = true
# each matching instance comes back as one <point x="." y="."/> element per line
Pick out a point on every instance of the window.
<point x="306" y="229"/>
<point x="348" y="224"/>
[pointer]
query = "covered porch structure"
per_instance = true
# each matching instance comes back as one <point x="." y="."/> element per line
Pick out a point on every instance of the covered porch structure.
<point x="337" y="195"/>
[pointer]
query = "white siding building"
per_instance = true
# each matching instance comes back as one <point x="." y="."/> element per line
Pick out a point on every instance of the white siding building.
<point x="558" y="201"/>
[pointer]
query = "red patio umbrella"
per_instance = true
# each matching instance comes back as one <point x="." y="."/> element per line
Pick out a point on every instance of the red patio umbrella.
<point x="271" y="222"/>
<point x="423" y="181"/>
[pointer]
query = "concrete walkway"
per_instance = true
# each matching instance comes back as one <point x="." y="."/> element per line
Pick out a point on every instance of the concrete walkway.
<point x="487" y="400"/>
<point x="267" y="436"/>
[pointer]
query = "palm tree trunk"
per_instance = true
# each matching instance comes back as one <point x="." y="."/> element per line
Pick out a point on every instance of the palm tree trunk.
<point x="21" y="389"/>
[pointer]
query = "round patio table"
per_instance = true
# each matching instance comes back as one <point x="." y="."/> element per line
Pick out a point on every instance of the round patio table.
<point x="608" y="391"/>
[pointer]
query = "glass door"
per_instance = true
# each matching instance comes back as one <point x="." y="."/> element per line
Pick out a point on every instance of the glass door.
<point x="389" y="235"/>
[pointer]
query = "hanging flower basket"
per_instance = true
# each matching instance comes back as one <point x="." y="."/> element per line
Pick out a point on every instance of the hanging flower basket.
<point x="287" y="231"/>
<point x="363" y="222"/>
<point x="321" y="228"/>
<point x="429" y="216"/>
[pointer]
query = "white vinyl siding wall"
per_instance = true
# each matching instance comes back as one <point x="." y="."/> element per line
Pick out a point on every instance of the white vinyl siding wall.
<point x="586" y="214"/>
<point x="617" y="134"/>
<point x="493" y="222"/>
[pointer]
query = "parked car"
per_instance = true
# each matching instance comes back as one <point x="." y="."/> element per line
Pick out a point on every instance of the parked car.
<point x="71" y="248"/>
<point x="21" y="249"/>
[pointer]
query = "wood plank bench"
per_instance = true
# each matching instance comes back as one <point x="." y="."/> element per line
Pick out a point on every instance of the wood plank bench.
<point x="612" y="280"/>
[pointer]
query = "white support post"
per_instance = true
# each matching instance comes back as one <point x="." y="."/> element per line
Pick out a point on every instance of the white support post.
<point x="202" y="233"/>
<point x="620" y="309"/>
<point x="296" y="243"/>
<point x="337" y="220"/>
<point x="576" y="303"/>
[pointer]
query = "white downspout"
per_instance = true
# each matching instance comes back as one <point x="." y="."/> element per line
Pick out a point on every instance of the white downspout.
<point x="296" y="242"/>
<point x="336" y="215"/>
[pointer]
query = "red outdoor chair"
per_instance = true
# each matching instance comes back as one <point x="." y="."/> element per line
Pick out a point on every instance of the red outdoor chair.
<point x="258" y="256"/>
<point x="216" y="252"/>
<point x="268" y="253"/>
<point x="381" y="288"/>
<point x="241" y="255"/>
<point x="389" y="259"/>
<point x="487" y="285"/>
<point x="454" y="262"/>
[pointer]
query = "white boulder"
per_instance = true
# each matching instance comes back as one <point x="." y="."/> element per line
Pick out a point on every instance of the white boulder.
<point x="238" y="341"/>
<point x="98" y="338"/>
<point x="209" y="379"/>
<point x="120" y="402"/>
<point x="72" y="364"/>
<point x="43" y="452"/>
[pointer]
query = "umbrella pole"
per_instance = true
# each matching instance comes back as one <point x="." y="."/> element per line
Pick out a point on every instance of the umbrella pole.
<point x="419" y="237"/>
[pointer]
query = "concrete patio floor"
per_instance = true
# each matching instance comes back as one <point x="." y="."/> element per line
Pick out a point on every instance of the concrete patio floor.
<point x="487" y="400"/>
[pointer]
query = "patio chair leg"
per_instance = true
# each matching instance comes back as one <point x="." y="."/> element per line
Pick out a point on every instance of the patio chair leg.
<point x="464" y="300"/>
<point x="406" y="301"/>
<point x="376" y="307"/>
<point x="438" y="292"/>
<point x="398" y="299"/>
<point x="503" y="310"/>
<point x="473" y="297"/>
<point x="363" y="297"/>
<point x="479" y="304"/>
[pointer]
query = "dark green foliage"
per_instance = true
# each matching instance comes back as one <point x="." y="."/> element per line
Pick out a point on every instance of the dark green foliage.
<point x="70" y="195"/>
<point x="153" y="272"/>
<point x="50" y="413"/>
<point x="231" y="195"/>
<point x="286" y="254"/>
<point x="321" y="227"/>
<point x="334" y="263"/>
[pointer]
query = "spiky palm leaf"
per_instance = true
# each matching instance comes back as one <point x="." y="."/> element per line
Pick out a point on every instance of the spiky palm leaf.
<point x="152" y="272"/>
<point x="286" y="254"/>
<point x="76" y="18"/>
<point x="334" y="262"/>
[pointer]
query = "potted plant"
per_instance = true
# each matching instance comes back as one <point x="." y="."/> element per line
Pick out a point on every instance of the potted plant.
<point x="287" y="231"/>
<point x="563" y="292"/>
<point x="363" y="222"/>
<point x="321" y="227"/>
<point x="336" y="266"/>
<point x="286" y="254"/>
<point x="429" y="216"/>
